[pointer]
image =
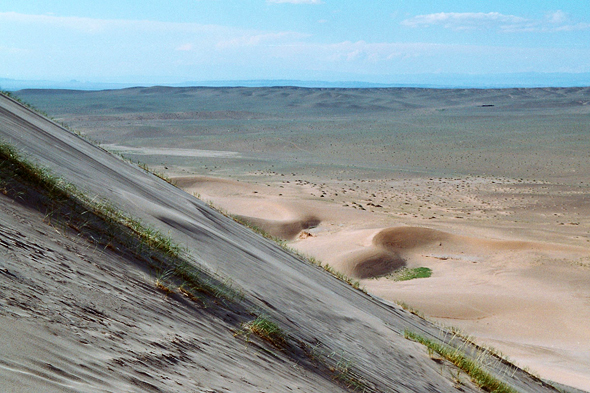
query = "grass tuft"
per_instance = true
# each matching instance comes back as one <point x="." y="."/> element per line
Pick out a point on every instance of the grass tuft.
<point x="409" y="308"/>
<point x="343" y="372"/>
<point x="481" y="377"/>
<point x="267" y="330"/>
<point x="406" y="274"/>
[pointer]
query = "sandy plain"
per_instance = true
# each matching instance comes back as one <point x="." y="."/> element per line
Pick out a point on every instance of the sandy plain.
<point x="488" y="188"/>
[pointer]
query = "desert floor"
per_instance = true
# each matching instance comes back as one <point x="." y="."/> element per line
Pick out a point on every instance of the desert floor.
<point x="488" y="188"/>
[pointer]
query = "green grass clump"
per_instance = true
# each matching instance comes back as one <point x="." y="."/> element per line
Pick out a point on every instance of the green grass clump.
<point x="406" y="274"/>
<point x="481" y="377"/>
<point x="12" y="166"/>
<point x="16" y="168"/>
<point x="194" y="280"/>
<point x="267" y="330"/>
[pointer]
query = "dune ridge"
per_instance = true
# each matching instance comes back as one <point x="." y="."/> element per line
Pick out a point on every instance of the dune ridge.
<point x="284" y="229"/>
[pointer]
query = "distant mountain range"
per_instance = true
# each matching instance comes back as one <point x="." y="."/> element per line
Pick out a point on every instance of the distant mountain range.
<point x="418" y="81"/>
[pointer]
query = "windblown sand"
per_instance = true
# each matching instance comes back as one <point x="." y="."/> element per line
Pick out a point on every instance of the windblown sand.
<point x="496" y="201"/>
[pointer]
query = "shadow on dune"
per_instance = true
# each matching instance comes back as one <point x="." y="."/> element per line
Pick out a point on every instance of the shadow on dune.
<point x="372" y="263"/>
<point x="284" y="229"/>
<point x="403" y="238"/>
<point x="408" y="238"/>
<point x="383" y="257"/>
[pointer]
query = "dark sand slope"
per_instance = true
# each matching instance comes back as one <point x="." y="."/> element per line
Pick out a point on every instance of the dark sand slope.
<point x="136" y="323"/>
<point x="74" y="318"/>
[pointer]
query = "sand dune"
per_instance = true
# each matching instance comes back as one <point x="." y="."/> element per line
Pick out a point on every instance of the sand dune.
<point x="277" y="217"/>
<point x="501" y="217"/>
<point x="284" y="229"/>
<point x="403" y="238"/>
<point x="371" y="263"/>
<point x="82" y="318"/>
<point x="506" y="292"/>
<point x="421" y="239"/>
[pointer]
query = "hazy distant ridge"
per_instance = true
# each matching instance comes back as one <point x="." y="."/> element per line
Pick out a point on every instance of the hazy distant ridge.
<point x="425" y="81"/>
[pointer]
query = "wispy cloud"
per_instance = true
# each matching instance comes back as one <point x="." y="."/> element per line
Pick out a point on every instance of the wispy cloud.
<point x="188" y="36"/>
<point x="185" y="48"/>
<point x="415" y="57"/>
<point x="136" y="46"/>
<point x="81" y="24"/>
<point x="261" y="39"/>
<point x="99" y="26"/>
<point x="56" y="46"/>
<point x="364" y="54"/>
<point x="553" y="22"/>
<point x="560" y="21"/>
<point x="558" y="17"/>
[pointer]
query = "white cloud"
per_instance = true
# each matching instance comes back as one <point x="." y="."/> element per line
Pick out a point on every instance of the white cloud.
<point x="464" y="21"/>
<point x="68" y="47"/>
<point x="295" y="1"/>
<point x="361" y="52"/>
<point x="185" y="48"/>
<point x="81" y="24"/>
<point x="557" y="17"/>
<point x="182" y="37"/>
<point x="553" y="22"/>
<point x="98" y="26"/>
<point x="390" y="57"/>
<point x="261" y="39"/>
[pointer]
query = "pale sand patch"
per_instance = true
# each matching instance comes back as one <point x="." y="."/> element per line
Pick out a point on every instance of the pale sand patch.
<point x="491" y="277"/>
<point x="166" y="151"/>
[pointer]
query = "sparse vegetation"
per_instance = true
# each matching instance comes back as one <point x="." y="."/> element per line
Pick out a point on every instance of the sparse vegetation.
<point x="163" y="281"/>
<point x="406" y="274"/>
<point x="24" y="103"/>
<point x="106" y="225"/>
<point x="147" y="169"/>
<point x="255" y="228"/>
<point x="343" y="277"/>
<point x="341" y="366"/>
<point x="174" y="272"/>
<point x="268" y="330"/>
<point x="475" y="371"/>
<point x="409" y="308"/>
<point x="343" y="372"/>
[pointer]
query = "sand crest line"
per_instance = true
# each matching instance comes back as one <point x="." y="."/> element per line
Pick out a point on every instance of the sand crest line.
<point x="169" y="151"/>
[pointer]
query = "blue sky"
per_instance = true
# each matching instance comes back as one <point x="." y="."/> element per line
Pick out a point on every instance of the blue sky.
<point x="378" y="41"/>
